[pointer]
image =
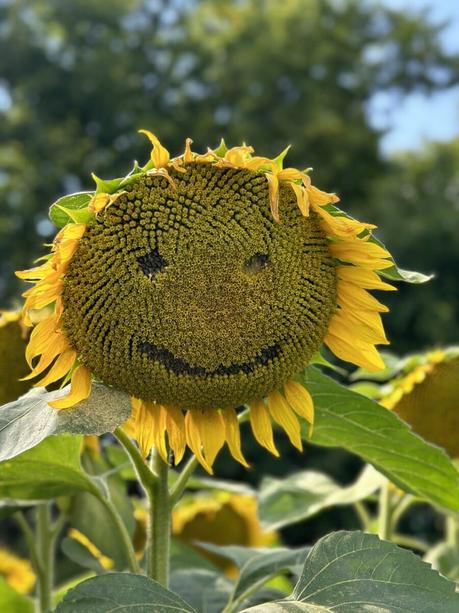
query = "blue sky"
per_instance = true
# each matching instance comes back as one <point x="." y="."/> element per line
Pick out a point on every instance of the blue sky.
<point x="417" y="118"/>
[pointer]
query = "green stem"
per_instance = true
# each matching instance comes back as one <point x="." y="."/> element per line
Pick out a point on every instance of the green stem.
<point x="160" y="523"/>
<point x="409" y="541"/>
<point x="45" y="550"/>
<point x="401" y="507"/>
<point x="180" y="485"/>
<point x="30" y="539"/>
<point x="452" y="532"/>
<point x="385" y="513"/>
<point x="146" y="477"/>
<point x="123" y="534"/>
<point x="363" y="515"/>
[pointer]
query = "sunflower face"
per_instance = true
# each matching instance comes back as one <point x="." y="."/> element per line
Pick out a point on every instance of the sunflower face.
<point x="191" y="294"/>
<point x="200" y="283"/>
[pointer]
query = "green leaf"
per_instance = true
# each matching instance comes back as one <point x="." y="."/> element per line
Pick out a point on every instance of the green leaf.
<point x="27" y="421"/>
<point x="409" y="276"/>
<point x="221" y="149"/>
<point x="205" y="590"/>
<point x="79" y="554"/>
<point x="12" y="601"/>
<point x="123" y="592"/>
<point x="257" y="566"/>
<point x="350" y="572"/>
<point x="49" y="470"/>
<point x="71" y="208"/>
<point x="287" y="606"/>
<point x="360" y="425"/>
<point x="282" y="502"/>
<point x="183" y="556"/>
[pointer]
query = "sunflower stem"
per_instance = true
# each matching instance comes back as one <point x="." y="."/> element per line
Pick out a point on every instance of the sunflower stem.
<point x="159" y="522"/>
<point x="123" y="534"/>
<point x="145" y="475"/>
<point x="45" y="549"/>
<point x="385" y="512"/>
<point x="180" y="485"/>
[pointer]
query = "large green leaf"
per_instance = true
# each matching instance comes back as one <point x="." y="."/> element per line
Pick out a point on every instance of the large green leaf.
<point x="13" y="602"/>
<point x="286" y="501"/>
<point x="51" y="469"/>
<point x="257" y="566"/>
<point x="205" y="590"/>
<point x="360" y="425"/>
<point x="350" y="572"/>
<point x="124" y="593"/>
<point x="27" y="421"/>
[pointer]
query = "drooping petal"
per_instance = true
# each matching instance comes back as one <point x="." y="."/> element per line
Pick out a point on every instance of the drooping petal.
<point x="193" y="439"/>
<point x="80" y="389"/>
<point x="175" y="424"/>
<point x="273" y="185"/>
<point x="355" y="297"/>
<point x="261" y="426"/>
<point x="300" y="400"/>
<point x="286" y="418"/>
<point x="59" y="369"/>
<point x="233" y="435"/>
<point x="301" y="198"/>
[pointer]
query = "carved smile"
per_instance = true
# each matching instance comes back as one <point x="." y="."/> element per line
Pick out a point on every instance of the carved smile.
<point x="180" y="367"/>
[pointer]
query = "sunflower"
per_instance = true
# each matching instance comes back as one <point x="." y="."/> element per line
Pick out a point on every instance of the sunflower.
<point x="426" y="395"/>
<point x="16" y="571"/>
<point x="199" y="284"/>
<point x="13" y="340"/>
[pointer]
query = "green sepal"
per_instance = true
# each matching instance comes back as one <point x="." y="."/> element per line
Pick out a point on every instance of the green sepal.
<point x="106" y="187"/>
<point x="221" y="149"/>
<point x="72" y="208"/>
<point x="319" y="359"/>
<point x="279" y="160"/>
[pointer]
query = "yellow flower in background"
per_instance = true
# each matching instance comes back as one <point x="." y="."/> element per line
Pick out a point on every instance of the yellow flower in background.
<point x="13" y="366"/>
<point x="16" y="571"/>
<point x="202" y="283"/>
<point x="426" y="396"/>
<point x="220" y="518"/>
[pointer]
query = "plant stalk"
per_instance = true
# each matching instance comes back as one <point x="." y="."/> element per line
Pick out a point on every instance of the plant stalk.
<point x="385" y="513"/>
<point x="45" y="552"/>
<point x="123" y="534"/>
<point x="160" y="523"/>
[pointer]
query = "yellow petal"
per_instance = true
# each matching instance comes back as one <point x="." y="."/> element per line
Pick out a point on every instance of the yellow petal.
<point x="233" y="435"/>
<point x="285" y="417"/>
<point x="364" y="278"/>
<point x="316" y="196"/>
<point x="159" y="155"/>
<point x="300" y="400"/>
<point x="363" y="253"/>
<point x="212" y="433"/>
<point x="72" y="231"/>
<point x="141" y="426"/>
<point x="55" y="343"/>
<point x="81" y="538"/>
<point x="355" y="297"/>
<point x="39" y="272"/>
<point x="301" y="198"/>
<point x="273" y="185"/>
<point x="59" y="369"/>
<point x="175" y="424"/>
<point x="348" y="329"/>
<point x="80" y="389"/>
<point x="193" y="439"/>
<point x="98" y="202"/>
<point x="188" y="155"/>
<point x="261" y="426"/>
<point x="159" y="415"/>
<point x="359" y="354"/>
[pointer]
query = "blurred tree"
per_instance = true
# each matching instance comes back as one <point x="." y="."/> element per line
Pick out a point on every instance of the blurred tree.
<point x="417" y="208"/>
<point x="78" y="78"/>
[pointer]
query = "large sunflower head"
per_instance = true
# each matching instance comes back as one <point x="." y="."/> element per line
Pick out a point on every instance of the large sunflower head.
<point x="202" y="283"/>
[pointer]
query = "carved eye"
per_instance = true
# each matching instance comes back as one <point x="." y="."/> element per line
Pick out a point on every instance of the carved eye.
<point x="256" y="263"/>
<point x="151" y="263"/>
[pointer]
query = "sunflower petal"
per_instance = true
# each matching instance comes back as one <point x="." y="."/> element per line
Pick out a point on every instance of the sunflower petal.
<point x="273" y="185"/>
<point x="286" y="418"/>
<point x="193" y="438"/>
<point x="175" y="424"/>
<point x="300" y="400"/>
<point x="80" y="389"/>
<point x="233" y="435"/>
<point x="261" y="426"/>
<point x="59" y="369"/>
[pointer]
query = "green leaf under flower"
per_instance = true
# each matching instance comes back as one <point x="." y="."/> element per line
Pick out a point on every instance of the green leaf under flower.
<point x="71" y="209"/>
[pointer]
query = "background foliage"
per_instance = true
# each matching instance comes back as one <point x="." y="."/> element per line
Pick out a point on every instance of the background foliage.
<point x="85" y="75"/>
